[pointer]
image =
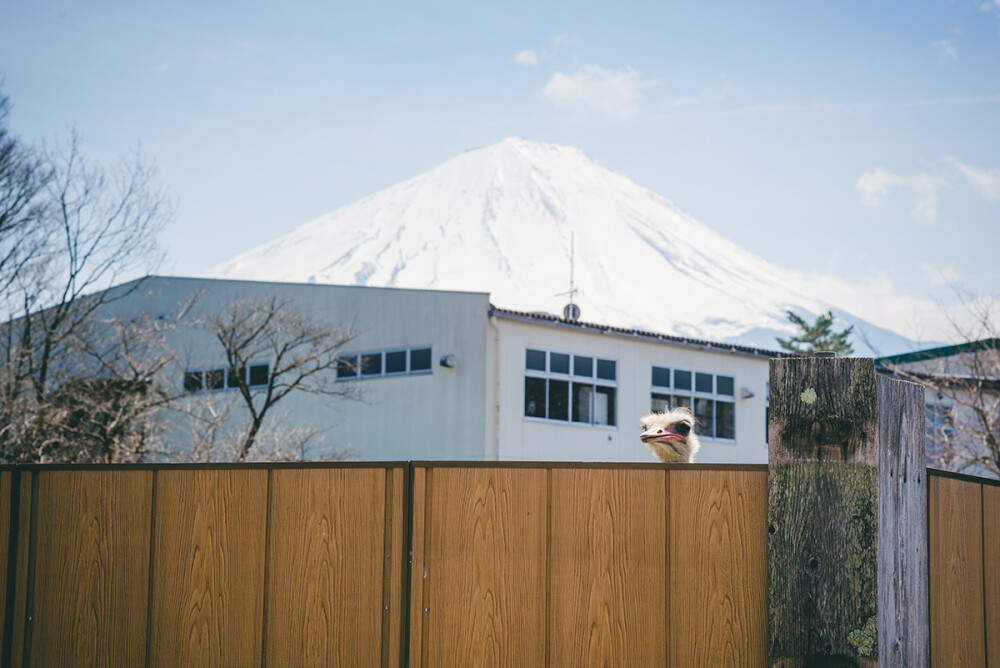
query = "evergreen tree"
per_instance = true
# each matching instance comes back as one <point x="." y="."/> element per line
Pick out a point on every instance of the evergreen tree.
<point x="817" y="336"/>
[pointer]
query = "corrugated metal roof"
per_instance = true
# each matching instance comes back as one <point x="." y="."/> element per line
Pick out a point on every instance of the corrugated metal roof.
<point x="655" y="337"/>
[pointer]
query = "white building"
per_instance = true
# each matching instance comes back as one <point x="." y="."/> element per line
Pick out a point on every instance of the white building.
<point x="446" y="375"/>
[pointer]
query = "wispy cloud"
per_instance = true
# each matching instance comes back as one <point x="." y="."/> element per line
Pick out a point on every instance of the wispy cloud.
<point x="612" y="92"/>
<point x="945" y="50"/>
<point x="876" y="184"/>
<point x="563" y="40"/>
<point x="526" y="57"/>
<point x="985" y="181"/>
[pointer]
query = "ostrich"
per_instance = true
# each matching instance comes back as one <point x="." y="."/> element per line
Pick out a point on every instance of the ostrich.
<point x="670" y="435"/>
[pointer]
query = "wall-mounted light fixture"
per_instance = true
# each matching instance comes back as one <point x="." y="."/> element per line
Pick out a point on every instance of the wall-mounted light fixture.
<point x="449" y="361"/>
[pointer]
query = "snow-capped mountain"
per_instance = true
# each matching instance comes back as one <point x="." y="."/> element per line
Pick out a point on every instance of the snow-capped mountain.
<point x="500" y="219"/>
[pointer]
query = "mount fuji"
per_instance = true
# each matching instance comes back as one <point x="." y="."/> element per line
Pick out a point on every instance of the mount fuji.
<point x="511" y="218"/>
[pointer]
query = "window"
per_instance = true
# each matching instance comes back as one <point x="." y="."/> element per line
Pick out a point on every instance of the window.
<point x="379" y="364"/>
<point x="567" y="388"/>
<point x="217" y="380"/>
<point x="194" y="381"/>
<point x="708" y="396"/>
<point x="259" y="375"/>
<point x="395" y="362"/>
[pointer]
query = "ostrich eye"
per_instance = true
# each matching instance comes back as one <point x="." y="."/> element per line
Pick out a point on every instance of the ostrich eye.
<point x="683" y="429"/>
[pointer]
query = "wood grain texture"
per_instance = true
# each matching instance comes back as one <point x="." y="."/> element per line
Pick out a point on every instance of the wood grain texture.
<point x="955" y="554"/>
<point x="325" y="567"/>
<point x="20" y="629"/>
<point x="823" y="511"/>
<point x="418" y="568"/>
<point x="608" y="568"/>
<point x="208" y="574"/>
<point x="718" y="568"/>
<point x="991" y="571"/>
<point x="395" y="565"/>
<point x="91" y="568"/>
<point x="484" y="555"/>
<point x="5" y="508"/>
<point x="903" y="614"/>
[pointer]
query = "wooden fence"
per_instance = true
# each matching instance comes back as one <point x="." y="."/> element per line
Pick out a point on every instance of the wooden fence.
<point x="964" y="560"/>
<point x="512" y="565"/>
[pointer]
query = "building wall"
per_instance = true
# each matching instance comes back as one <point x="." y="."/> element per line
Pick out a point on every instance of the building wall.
<point x="523" y="438"/>
<point x="440" y="415"/>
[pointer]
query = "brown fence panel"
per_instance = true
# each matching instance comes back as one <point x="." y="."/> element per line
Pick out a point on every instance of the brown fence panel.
<point x="90" y="567"/>
<point x="479" y="567"/>
<point x="208" y="568"/>
<point x="333" y="577"/>
<point x="6" y="482"/>
<point x="991" y="570"/>
<point x="955" y="560"/>
<point x="606" y="556"/>
<point x="588" y="565"/>
<point x="718" y="567"/>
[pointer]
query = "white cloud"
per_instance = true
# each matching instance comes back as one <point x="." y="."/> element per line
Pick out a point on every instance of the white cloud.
<point x="986" y="181"/>
<point x="876" y="184"/>
<point x="945" y="50"/>
<point x="526" y="57"/>
<point x="162" y="67"/>
<point x="563" y="40"/>
<point x="612" y="92"/>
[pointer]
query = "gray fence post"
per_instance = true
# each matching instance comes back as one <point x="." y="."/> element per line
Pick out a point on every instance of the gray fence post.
<point x="847" y="516"/>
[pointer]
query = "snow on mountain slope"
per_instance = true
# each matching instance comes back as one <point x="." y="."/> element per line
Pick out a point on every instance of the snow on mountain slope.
<point x="499" y="219"/>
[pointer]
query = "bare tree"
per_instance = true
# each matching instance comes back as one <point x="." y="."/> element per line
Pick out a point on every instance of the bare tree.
<point x="962" y="383"/>
<point x="69" y="230"/>
<point x="300" y="356"/>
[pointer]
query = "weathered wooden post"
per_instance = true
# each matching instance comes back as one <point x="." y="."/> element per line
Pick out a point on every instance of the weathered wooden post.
<point x="847" y="516"/>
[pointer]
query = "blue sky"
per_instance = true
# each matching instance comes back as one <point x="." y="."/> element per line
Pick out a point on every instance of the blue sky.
<point x="857" y="139"/>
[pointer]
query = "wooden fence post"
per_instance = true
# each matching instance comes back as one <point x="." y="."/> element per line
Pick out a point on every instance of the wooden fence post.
<point x="847" y="516"/>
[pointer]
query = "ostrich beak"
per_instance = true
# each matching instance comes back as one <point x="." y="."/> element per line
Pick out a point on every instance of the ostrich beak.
<point x="661" y="435"/>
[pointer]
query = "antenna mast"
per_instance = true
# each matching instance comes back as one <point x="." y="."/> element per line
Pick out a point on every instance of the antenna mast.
<point x="571" y="311"/>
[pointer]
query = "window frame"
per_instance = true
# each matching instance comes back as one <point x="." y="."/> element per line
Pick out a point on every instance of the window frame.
<point x="572" y="379"/>
<point x="356" y="358"/>
<point x="693" y="395"/>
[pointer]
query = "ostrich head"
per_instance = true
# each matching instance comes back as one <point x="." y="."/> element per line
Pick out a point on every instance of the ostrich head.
<point x="670" y="435"/>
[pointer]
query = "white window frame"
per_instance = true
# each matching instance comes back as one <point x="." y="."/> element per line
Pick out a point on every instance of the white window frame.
<point x="383" y="373"/>
<point x="571" y="378"/>
<point x="694" y="394"/>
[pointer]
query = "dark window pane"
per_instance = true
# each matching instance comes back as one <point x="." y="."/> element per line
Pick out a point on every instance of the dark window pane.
<point x="420" y="359"/>
<point x="559" y="362"/>
<point x="704" y="416"/>
<point x="682" y="402"/>
<point x="724" y="385"/>
<point x="660" y="403"/>
<point x="604" y="406"/>
<point x="371" y="364"/>
<point x="534" y="359"/>
<point x="606" y="369"/>
<point x="534" y="397"/>
<point x="194" y="381"/>
<point x="703" y="382"/>
<point x="682" y="380"/>
<point x="395" y="362"/>
<point x="559" y="400"/>
<point x="582" y="400"/>
<point x="583" y="366"/>
<point x="661" y="376"/>
<point x="215" y="379"/>
<point x="259" y="374"/>
<point x="725" y="419"/>
<point x="235" y="375"/>
<point x="347" y="367"/>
